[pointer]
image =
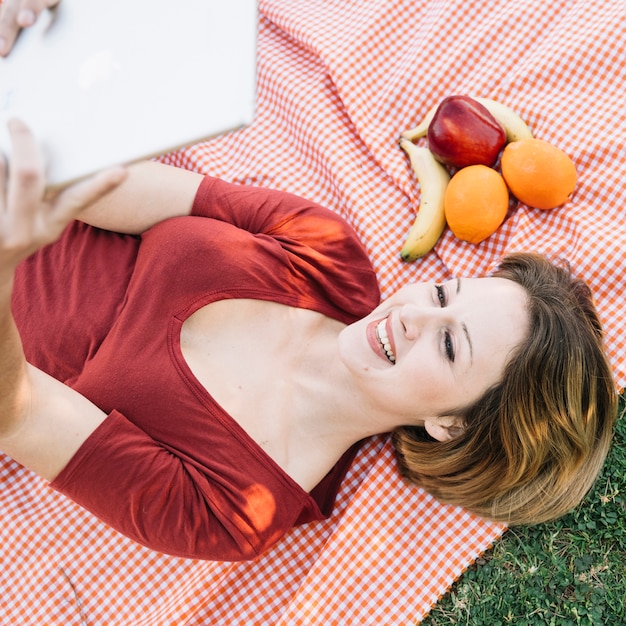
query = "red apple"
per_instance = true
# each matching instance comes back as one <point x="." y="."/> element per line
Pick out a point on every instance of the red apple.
<point x="463" y="132"/>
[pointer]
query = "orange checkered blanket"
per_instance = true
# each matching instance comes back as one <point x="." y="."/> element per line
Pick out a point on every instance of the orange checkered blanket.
<point x="337" y="82"/>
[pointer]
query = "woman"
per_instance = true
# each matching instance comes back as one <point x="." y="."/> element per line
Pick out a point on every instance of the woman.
<point x="196" y="362"/>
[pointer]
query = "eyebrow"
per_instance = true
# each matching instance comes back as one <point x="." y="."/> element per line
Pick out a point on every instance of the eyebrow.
<point x="464" y="327"/>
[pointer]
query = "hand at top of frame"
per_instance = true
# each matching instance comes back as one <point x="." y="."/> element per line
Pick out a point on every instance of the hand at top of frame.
<point x="18" y="14"/>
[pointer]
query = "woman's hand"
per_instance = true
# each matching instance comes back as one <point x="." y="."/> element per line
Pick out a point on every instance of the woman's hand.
<point x="30" y="219"/>
<point x="18" y="14"/>
<point x="42" y="421"/>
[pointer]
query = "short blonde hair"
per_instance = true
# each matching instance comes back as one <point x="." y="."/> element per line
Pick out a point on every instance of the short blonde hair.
<point x="534" y="443"/>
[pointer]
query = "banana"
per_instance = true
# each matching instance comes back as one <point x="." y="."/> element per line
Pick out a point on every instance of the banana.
<point x="514" y="126"/>
<point x="433" y="178"/>
<point x="421" y="129"/>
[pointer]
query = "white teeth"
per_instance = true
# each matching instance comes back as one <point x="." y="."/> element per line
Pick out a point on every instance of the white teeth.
<point x="381" y="331"/>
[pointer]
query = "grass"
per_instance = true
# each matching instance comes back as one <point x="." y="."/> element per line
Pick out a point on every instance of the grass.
<point x="571" y="572"/>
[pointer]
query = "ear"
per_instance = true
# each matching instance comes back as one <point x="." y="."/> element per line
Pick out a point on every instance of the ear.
<point x="444" y="428"/>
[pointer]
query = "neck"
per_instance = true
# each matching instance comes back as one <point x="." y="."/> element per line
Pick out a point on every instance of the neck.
<point x="327" y="407"/>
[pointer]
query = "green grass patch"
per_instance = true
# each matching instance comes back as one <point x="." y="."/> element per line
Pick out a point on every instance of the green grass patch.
<point x="571" y="572"/>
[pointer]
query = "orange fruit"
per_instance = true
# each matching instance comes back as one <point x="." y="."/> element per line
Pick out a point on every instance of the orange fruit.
<point x="538" y="173"/>
<point x="475" y="202"/>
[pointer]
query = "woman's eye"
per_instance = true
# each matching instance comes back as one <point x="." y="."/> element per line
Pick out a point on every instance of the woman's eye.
<point x="441" y="295"/>
<point x="448" y="346"/>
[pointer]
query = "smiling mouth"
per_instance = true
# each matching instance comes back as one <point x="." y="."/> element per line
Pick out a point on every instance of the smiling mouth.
<point x="383" y="338"/>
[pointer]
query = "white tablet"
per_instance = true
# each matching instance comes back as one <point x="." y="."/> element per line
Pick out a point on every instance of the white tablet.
<point x="103" y="83"/>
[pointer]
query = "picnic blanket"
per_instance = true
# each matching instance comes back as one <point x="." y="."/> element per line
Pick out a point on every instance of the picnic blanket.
<point x="338" y="80"/>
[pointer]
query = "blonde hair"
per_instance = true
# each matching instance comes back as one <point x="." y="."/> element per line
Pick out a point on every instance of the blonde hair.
<point x="533" y="444"/>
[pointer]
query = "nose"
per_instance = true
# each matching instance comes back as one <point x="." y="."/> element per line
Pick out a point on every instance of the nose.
<point x="416" y="319"/>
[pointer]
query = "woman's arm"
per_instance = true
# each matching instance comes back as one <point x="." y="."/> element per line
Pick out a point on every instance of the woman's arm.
<point x="42" y="422"/>
<point x="151" y="193"/>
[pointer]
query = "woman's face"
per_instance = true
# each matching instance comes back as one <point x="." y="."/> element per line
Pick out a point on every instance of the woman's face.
<point x="432" y="348"/>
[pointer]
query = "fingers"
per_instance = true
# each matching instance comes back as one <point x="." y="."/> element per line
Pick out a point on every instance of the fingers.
<point x="21" y="199"/>
<point x="8" y="25"/>
<point x="18" y="14"/>
<point x="26" y="176"/>
<point x="28" y="218"/>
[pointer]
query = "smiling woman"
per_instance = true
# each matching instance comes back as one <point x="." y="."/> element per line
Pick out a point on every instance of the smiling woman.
<point x="533" y="444"/>
<point x="438" y="346"/>
<point x="254" y="317"/>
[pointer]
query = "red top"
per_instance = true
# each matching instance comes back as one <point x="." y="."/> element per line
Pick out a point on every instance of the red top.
<point x="168" y="467"/>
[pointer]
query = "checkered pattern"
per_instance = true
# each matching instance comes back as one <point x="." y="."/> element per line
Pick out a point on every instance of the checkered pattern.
<point x="337" y="83"/>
